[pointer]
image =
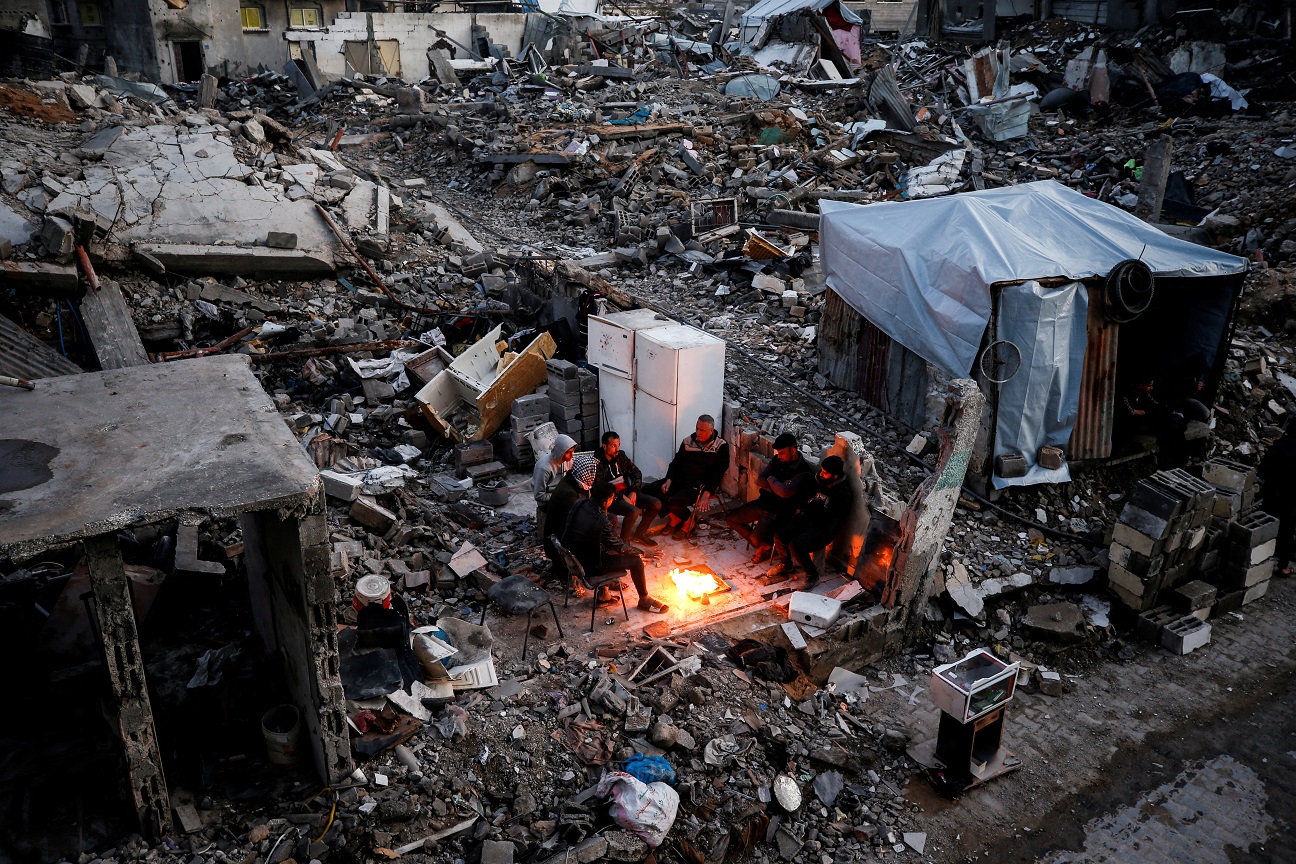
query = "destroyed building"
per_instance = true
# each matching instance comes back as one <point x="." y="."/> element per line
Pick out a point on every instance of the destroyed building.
<point x="281" y="352"/>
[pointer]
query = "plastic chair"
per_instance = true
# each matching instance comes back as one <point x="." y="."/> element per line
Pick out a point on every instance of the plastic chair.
<point x="610" y="580"/>
<point x="518" y="594"/>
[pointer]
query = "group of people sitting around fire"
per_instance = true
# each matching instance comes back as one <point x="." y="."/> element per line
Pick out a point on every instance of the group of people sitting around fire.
<point x="799" y="510"/>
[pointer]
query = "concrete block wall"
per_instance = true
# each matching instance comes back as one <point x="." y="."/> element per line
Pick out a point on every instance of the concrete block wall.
<point x="294" y="597"/>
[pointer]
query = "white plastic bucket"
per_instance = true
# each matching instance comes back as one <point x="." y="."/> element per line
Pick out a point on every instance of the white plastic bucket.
<point x="281" y="727"/>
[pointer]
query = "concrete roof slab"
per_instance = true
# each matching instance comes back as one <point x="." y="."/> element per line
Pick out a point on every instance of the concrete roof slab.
<point x="98" y="452"/>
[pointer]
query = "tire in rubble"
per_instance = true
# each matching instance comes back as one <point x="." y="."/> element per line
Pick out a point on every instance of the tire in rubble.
<point x="1128" y="290"/>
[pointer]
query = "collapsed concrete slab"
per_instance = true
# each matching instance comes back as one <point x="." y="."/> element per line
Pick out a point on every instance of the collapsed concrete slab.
<point x="235" y="260"/>
<point x="182" y="185"/>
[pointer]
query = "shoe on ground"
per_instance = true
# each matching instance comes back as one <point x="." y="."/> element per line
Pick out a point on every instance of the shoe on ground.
<point x="679" y="534"/>
<point x="762" y="553"/>
<point x="778" y="568"/>
<point x="643" y="540"/>
<point x="648" y="604"/>
<point x="657" y="529"/>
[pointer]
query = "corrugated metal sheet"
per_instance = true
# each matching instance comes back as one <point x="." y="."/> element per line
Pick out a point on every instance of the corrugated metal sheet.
<point x="856" y="356"/>
<point x="836" y="341"/>
<point x="1091" y="437"/>
<point x="1081" y="11"/>
<point x="22" y="355"/>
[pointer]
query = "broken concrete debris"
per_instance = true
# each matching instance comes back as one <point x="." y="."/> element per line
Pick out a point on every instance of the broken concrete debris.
<point x="409" y="266"/>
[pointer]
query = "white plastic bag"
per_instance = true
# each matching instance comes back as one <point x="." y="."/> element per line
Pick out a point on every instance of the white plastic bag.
<point x="645" y="809"/>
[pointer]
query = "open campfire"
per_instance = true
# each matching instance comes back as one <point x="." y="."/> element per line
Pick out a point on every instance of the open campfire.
<point x="697" y="583"/>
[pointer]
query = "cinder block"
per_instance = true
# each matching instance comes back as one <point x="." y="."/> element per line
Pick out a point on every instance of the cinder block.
<point x="341" y="486"/>
<point x="531" y="405"/>
<point x="1131" y="582"/>
<point x="1253" y="528"/>
<point x="1150" y="623"/>
<point x="1240" y="553"/>
<point x="1230" y="475"/>
<point x="1227" y="504"/>
<point x="1195" y="595"/>
<point x="1185" y="635"/>
<point x="1198" y="491"/>
<point x="559" y="411"/>
<point x="1147" y="524"/>
<point x="562" y="369"/>
<point x="572" y="427"/>
<point x="1196" y="535"/>
<point x="1239" y="576"/>
<point x="588" y="381"/>
<point x="523" y="425"/>
<point x="1255" y="592"/>
<point x="1136" y="541"/>
<point x="1230" y="601"/>
<point x="564" y="390"/>
<point x="473" y="453"/>
<point x="1156" y="499"/>
<point x="1131" y="600"/>
<point x="372" y="515"/>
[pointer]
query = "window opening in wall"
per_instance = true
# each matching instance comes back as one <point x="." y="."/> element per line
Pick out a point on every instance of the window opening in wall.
<point x="304" y="16"/>
<point x="89" y="15"/>
<point x="253" y="17"/>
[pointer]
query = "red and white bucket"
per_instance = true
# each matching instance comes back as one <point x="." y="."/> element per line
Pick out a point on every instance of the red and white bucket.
<point x="372" y="589"/>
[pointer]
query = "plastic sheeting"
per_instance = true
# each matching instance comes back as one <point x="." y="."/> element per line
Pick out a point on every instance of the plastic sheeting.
<point x="1039" y="404"/>
<point x="922" y="270"/>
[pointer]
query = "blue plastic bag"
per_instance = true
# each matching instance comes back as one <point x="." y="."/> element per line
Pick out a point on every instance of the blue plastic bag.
<point x="650" y="769"/>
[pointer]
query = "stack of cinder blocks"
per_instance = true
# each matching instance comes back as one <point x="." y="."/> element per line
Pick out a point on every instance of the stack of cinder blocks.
<point x="574" y="402"/>
<point x="528" y="413"/>
<point x="1248" y="560"/>
<point x="1159" y="537"/>
<point x="1234" y="486"/>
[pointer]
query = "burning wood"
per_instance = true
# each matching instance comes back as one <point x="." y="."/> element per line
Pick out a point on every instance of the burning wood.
<point x="695" y="585"/>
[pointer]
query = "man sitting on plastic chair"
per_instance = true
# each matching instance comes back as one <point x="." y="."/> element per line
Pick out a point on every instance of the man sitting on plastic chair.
<point x="599" y="549"/>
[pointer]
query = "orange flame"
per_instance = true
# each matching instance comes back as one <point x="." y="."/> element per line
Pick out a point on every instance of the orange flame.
<point x="693" y="585"/>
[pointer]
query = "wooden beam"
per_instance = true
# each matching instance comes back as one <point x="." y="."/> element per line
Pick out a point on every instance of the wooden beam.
<point x="112" y="331"/>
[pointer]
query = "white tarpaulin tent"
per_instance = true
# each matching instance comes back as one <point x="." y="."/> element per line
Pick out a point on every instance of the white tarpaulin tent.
<point x="921" y="271"/>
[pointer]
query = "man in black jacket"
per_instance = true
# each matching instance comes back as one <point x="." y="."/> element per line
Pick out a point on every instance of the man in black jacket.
<point x="815" y="523"/>
<point x="782" y="483"/>
<point x="693" y="477"/>
<point x="615" y="467"/>
<point x="590" y="537"/>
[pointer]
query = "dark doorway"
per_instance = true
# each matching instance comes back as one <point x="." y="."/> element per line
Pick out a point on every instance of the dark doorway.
<point x="188" y="61"/>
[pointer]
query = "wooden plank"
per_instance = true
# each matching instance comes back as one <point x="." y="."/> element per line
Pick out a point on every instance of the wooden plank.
<point x="112" y="332"/>
<point x="523" y="376"/>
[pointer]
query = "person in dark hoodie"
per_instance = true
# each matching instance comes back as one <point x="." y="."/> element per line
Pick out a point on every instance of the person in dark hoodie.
<point x="574" y="486"/>
<point x="693" y="478"/>
<point x="1278" y="494"/>
<point x="782" y="484"/>
<point x="599" y="549"/>
<point x="816" y="521"/>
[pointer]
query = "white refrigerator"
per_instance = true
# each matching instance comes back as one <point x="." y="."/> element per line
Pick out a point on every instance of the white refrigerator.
<point x="655" y="377"/>
<point x="679" y="374"/>
<point x="611" y="349"/>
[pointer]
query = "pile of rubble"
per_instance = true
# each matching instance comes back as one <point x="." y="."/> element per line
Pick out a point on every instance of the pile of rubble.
<point x="360" y="254"/>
